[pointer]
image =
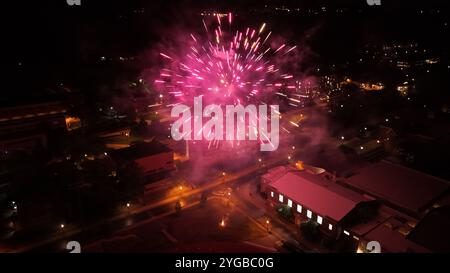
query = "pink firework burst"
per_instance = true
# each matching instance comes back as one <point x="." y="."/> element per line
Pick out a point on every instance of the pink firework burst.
<point x="226" y="66"/>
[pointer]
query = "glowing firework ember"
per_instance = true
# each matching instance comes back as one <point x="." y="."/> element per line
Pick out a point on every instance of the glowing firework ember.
<point x="229" y="67"/>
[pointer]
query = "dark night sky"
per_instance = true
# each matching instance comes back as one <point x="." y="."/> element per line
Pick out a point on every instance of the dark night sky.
<point x="55" y="42"/>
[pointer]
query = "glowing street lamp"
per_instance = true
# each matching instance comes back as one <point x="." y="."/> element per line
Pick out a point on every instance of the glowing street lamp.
<point x="268" y="225"/>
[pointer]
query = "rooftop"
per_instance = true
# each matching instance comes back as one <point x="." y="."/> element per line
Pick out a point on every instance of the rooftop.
<point x="316" y="192"/>
<point x="392" y="241"/>
<point x="275" y="173"/>
<point x="397" y="185"/>
<point x="139" y="150"/>
<point x="433" y="230"/>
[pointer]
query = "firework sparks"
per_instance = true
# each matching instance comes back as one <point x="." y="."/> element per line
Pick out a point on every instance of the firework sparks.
<point x="229" y="66"/>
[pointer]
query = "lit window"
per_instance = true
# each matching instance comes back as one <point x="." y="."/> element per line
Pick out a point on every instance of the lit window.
<point x="346" y="232"/>
<point x="330" y="226"/>
<point x="280" y="198"/>
<point x="319" y="219"/>
<point x="272" y="194"/>
<point x="309" y="214"/>
<point x="299" y="209"/>
<point x="289" y="203"/>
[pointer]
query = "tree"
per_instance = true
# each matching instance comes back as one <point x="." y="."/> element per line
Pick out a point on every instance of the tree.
<point x="140" y="129"/>
<point x="103" y="196"/>
<point x="157" y="128"/>
<point x="129" y="179"/>
<point x="285" y="211"/>
<point x="310" y="230"/>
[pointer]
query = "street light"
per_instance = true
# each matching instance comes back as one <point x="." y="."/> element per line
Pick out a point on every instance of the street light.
<point x="62" y="226"/>
<point x="268" y="225"/>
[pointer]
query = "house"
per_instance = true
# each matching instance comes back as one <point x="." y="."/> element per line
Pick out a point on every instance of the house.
<point x="25" y="127"/>
<point x="433" y="230"/>
<point x="314" y="197"/>
<point x="154" y="158"/>
<point x="341" y="213"/>
<point x="399" y="187"/>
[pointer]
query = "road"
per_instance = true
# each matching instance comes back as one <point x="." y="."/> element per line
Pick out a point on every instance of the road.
<point x="135" y="215"/>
